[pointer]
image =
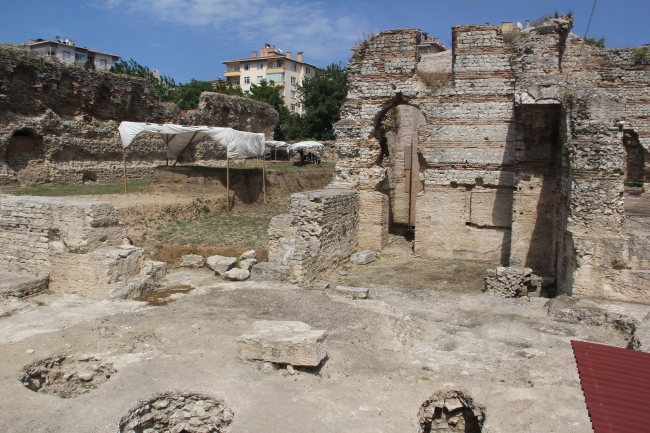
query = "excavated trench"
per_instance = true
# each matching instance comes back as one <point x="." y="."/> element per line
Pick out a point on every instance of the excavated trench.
<point x="177" y="412"/>
<point x="66" y="376"/>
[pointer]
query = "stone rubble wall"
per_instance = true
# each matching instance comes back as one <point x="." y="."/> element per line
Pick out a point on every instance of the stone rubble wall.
<point x="68" y="118"/>
<point x="521" y="158"/>
<point x="80" y="243"/>
<point x="320" y="231"/>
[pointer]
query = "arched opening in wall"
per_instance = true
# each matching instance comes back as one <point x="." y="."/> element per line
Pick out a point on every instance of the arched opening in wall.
<point x="24" y="150"/>
<point x="637" y="173"/>
<point x="396" y="129"/>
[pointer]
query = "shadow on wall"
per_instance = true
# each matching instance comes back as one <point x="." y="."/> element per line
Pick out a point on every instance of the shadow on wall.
<point x="24" y="153"/>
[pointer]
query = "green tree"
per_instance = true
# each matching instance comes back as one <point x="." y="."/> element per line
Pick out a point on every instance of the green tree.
<point x="321" y="97"/>
<point x="270" y="94"/>
<point x="189" y="93"/>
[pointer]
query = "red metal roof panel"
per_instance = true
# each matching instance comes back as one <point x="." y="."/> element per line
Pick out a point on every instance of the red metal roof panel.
<point x="616" y="386"/>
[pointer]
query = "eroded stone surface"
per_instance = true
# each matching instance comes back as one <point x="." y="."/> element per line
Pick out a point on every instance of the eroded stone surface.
<point x="512" y="282"/>
<point x="67" y="376"/>
<point x="363" y="257"/>
<point x="247" y="264"/>
<point x="20" y="284"/>
<point x="192" y="261"/>
<point x="221" y="264"/>
<point x="250" y="254"/>
<point x="267" y="271"/>
<point x="176" y="412"/>
<point x="451" y="411"/>
<point x="354" y="292"/>
<point x="237" y="274"/>
<point x="279" y="342"/>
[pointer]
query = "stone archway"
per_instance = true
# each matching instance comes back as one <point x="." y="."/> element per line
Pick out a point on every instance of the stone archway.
<point x="25" y="155"/>
<point x="397" y="132"/>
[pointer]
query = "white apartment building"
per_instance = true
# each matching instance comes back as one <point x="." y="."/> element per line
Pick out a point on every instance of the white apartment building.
<point x="272" y="64"/>
<point x="67" y="51"/>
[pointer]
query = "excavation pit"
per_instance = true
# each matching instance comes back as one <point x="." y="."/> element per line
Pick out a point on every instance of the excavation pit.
<point x="162" y="297"/>
<point x="177" y="411"/>
<point x="66" y="376"/>
<point x="451" y="411"/>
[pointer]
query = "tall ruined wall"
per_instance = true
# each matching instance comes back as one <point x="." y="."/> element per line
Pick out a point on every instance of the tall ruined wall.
<point x="521" y="158"/>
<point x="59" y="123"/>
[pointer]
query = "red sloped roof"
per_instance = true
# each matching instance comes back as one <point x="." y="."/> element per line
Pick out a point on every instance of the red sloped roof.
<point x="616" y="386"/>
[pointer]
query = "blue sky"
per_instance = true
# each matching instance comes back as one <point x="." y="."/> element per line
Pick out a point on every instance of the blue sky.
<point x="188" y="39"/>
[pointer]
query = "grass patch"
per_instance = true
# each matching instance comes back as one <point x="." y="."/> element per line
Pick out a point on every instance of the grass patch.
<point x="240" y="228"/>
<point x="641" y="53"/>
<point x="65" y="190"/>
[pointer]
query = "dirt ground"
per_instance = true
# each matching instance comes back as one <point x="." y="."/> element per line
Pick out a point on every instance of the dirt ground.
<point x="386" y="355"/>
<point x="426" y="326"/>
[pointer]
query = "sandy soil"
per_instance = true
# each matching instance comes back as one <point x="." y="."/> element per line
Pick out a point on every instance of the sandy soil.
<point x="387" y="354"/>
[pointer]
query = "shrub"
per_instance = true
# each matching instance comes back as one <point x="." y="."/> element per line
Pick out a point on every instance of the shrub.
<point x="512" y="37"/>
<point x="600" y="43"/>
<point x="641" y="53"/>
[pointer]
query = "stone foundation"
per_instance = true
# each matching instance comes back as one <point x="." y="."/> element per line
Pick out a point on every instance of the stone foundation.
<point x="79" y="242"/>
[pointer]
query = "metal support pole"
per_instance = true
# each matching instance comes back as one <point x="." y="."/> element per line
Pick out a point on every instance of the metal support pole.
<point x="227" y="183"/>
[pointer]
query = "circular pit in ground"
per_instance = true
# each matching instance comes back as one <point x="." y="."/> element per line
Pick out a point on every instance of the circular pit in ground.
<point x="66" y="376"/>
<point x="177" y="412"/>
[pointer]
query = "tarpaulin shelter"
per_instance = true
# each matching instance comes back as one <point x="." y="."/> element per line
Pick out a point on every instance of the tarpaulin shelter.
<point x="177" y="138"/>
<point x="303" y="145"/>
<point x="275" y="145"/>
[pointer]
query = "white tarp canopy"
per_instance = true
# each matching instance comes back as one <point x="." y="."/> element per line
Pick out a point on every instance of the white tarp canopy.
<point x="176" y="137"/>
<point x="276" y="144"/>
<point x="304" y="145"/>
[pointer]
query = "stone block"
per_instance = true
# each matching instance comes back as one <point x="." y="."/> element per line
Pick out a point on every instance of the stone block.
<point x="192" y="261"/>
<point x="363" y="257"/>
<point x="355" y="292"/>
<point x="247" y="263"/>
<point x="20" y="284"/>
<point x="221" y="264"/>
<point x="250" y="254"/>
<point x="267" y="271"/>
<point x="322" y="285"/>
<point x="237" y="274"/>
<point x="641" y="338"/>
<point x="293" y="343"/>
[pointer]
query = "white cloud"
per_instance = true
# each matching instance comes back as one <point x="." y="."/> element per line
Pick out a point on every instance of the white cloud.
<point x="321" y="31"/>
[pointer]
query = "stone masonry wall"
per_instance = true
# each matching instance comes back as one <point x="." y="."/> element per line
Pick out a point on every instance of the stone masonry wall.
<point x="320" y="232"/>
<point x="59" y="123"/>
<point x="80" y="243"/>
<point x="521" y="158"/>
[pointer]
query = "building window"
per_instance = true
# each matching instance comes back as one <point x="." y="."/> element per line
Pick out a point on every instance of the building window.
<point x="102" y="64"/>
<point x="293" y="94"/>
<point x="276" y="78"/>
<point x="260" y="66"/>
<point x="66" y="55"/>
<point x="236" y="80"/>
<point x="259" y="78"/>
<point x="308" y="70"/>
<point x="247" y="80"/>
<point x="293" y="108"/>
<point x="293" y="80"/>
<point x="78" y="57"/>
<point x="236" y="68"/>
<point x="49" y="52"/>
<point x="293" y="66"/>
<point x="246" y="67"/>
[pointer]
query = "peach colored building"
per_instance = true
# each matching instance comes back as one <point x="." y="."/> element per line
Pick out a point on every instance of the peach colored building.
<point x="272" y="64"/>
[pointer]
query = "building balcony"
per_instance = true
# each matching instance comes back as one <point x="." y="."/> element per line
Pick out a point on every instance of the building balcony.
<point x="275" y="70"/>
<point x="232" y="74"/>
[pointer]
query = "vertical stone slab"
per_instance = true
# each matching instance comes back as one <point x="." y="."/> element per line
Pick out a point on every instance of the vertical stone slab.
<point x="373" y="220"/>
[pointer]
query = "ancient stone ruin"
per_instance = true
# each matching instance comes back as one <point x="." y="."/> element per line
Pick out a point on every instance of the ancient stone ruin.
<point x="79" y="244"/>
<point x="451" y="411"/>
<point x="514" y="152"/>
<point x="177" y="411"/>
<point x="59" y="123"/>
